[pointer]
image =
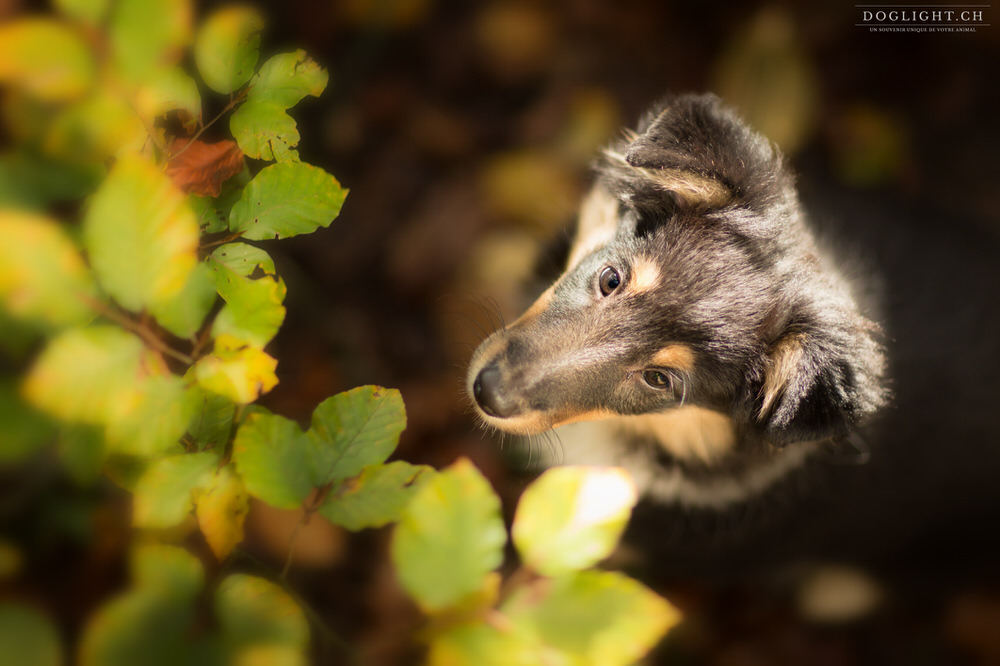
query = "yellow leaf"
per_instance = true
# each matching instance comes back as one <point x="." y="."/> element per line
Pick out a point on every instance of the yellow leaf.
<point x="221" y="509"/>
<point x="46" y="58"/>
<point x="42" y="275"/>
<point x="237" y="371"/>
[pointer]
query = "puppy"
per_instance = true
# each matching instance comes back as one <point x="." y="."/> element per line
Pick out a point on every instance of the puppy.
<point x="780" y="390"/>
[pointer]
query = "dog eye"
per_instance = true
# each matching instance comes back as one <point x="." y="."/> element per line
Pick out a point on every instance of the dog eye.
<point x="608" y="280"/>
<point x="656" y="378"/>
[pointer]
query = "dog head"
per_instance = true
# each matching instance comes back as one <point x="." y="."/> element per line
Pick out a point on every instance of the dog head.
<point x="692" y="283"/>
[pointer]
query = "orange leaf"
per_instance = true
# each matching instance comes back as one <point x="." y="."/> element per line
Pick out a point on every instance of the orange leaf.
<point x="201" y="168"/>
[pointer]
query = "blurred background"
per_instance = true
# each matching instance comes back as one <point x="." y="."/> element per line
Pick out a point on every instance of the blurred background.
<point x="464" y="130"/>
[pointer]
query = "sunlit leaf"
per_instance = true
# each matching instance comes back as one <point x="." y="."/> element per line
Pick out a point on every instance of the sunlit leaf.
<point x="42" y="275"/>
<point x="221" y="508"/>
<point x="265" y="131"/>
<point x="86" y="375"/>
<point x="591" y="618"/>
<point x="354" y="429"/>
<point x="99" y="127"/>
<point x="153" y="419"/>
<point x="46" y="57"/>
<point x="237" y="371"/>
<point x="570" y="518"/>
<point x="253" y="310"/>
<point x="244" y="259"/>
<point x="226" y="47"/>
<point x="287" y="199"/>
<point x="170" y="90"/>
<point x="163" y="493"/>
<point x="483" y="644"/>
<point x="141" y="235"/>
<point x="271" y="454"/>
<point x="148" y="35"/>
<point x="184" y="313"/>
<point x="88" y="11"/>
<point x="376" y="498"/>
<point x="27" y="638"/>
<point x="254" y="612"/>
<point x="450" y="537"/>
<point x="288" y="77"/>
<point x="212" y="420"/>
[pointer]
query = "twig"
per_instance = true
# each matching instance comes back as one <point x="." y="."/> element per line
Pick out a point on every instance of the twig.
<point x="148" y="336"/>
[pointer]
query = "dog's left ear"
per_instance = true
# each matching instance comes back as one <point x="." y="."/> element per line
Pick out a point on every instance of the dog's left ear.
<point x="816" y="387"/>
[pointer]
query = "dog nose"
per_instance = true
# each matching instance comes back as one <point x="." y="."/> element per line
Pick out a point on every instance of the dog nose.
<point x="486" y="389"/>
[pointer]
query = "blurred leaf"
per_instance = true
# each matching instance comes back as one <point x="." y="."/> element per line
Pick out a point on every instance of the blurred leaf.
<point x="255" y="613"/>
<point x="141" y="235"/>
<point x="25" y="431"/>
<point x="483" y="644"/>
<point x="237" y="371"/>
<point x="33" y="181"/>
<point x="47" y="58"/>
<point x="148" y="36"/>
<point x="83" y="375"/>
<point x="184" y="313"/>
<point x="871" y="145"/>
<point x="94" y="129"/>
<point x="43" y="277"/>
<point x="354" y="429"/>
<point x="153" y="419"/>
<point x="287" y="199"/>
<point x="170" y="90"/>
<point x="82" y="452"/>
<point x="450" y="537"/>
<point x="570" y="518"/>
<point x="27" y="638"/>
<point x="153" y="622"/>
<point x="532" y="187"/>
<point x="163" y="493"/>
<point x="253" y="311"/>
<point x="591" y="618"/>
<point x="87" y="11"/>
<point x="244" y="259"/>
<point x="212" y="420"/>
<point x="766" y="73"/>
<point x="376" y="498"/>
<point x="11" y="563"/>
<point x="226" y="47"/>
<point x="201" y="168"/>
<point x="271" y="453"/>
<point x="221" y="509"/>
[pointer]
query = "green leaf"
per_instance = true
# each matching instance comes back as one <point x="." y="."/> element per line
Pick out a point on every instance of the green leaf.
<point x="253" y="311"/>
<point x="239" y="372"/>
<point x="82" y="452"/>
<point x="591" y="618"/>
<point x="221" y="509"/>
<point x="25" y="431"/>
<point x="27" y="638"/>
<point x="483" y="644"/>
<point x="85" y="375"/>
<point x="287" y="199"/>
<point x="31" y="181"/>
<point x="42" y="276"/>
<point x="148" y="35"/>
<point x="255" y="613"/>
<point x="286" y="78"/>
<point x="226" y="47"/>
<point x="47" y="58"/>
<point x="376" y="497"/>
<point x="87" y="11"/>
<point x="271" y="453"/>
<point x="212" y="422"/>
<point x="265" y="131"/>
<point x="141" y="235"/>
<point x="450" y="537"/>
<point x="353" y="430"/>
<point x="244" y="259"/>
<point x="570" y="518"/>
<point x="154" y="622"/>
<point x="163" y="493"/>
<point x="170" y="90"/>
<point x="184" y="313"/>
<point x="153" y="419"/>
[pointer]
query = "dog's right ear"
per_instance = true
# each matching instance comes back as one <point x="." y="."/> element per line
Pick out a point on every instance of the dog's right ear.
<point x="692" y="153"/>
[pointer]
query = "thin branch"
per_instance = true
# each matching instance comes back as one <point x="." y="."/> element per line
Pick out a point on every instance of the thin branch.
<point x="226" y="109"/>
<point x="148" y="336"/>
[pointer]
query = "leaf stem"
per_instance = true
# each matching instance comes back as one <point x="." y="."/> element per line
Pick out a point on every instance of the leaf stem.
<point x="139" y="328"/>
<point x="197" y="135"/>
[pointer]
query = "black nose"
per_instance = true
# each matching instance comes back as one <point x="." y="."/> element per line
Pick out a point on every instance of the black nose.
<point x="489" y="394"/>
